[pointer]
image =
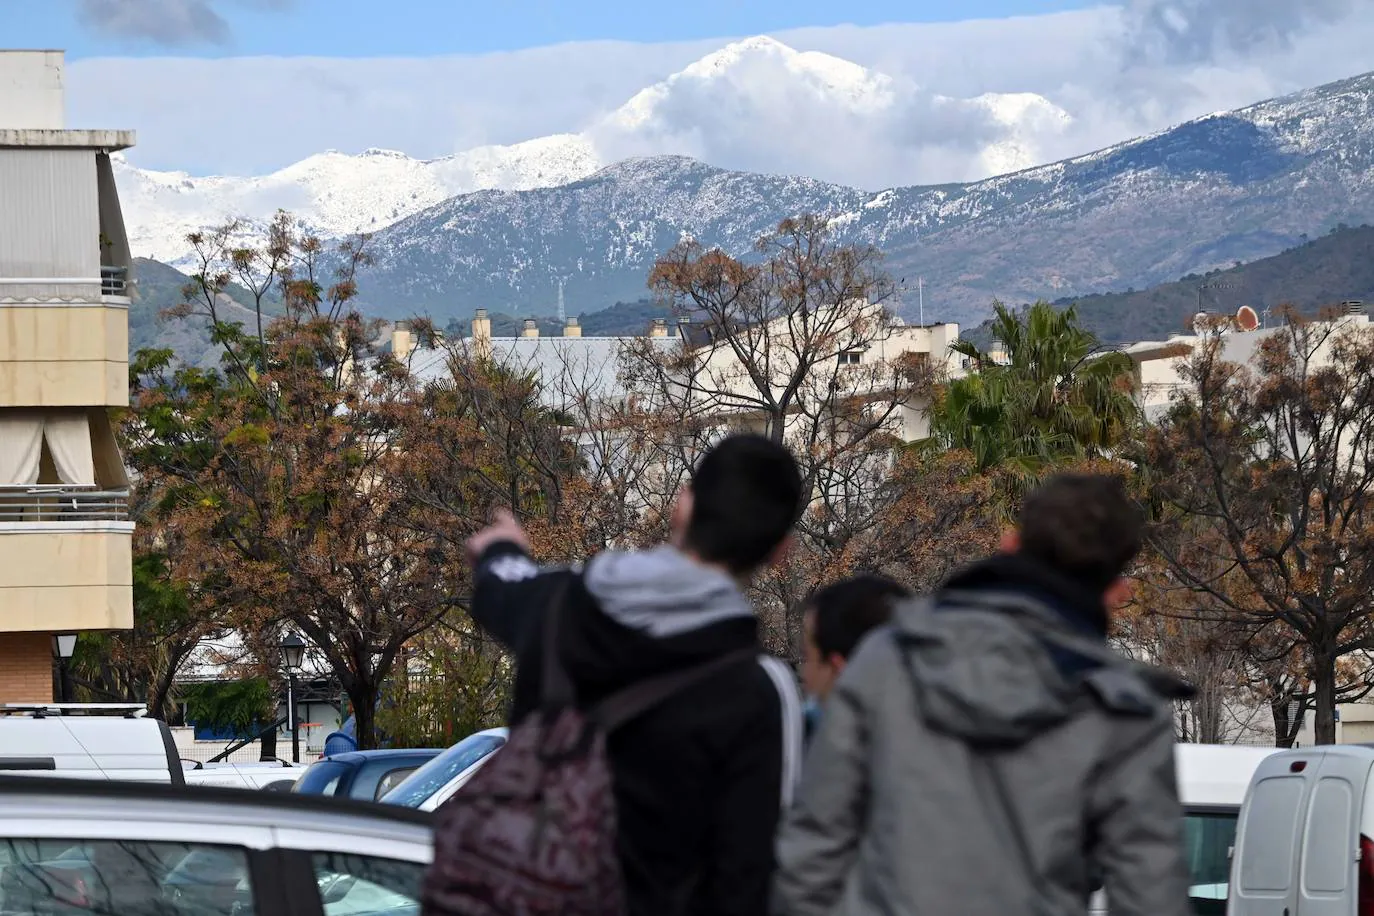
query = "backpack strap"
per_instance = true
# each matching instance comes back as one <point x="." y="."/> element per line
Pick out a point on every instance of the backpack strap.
<point x="557" y="690"/>
<point x="630" y="702"/>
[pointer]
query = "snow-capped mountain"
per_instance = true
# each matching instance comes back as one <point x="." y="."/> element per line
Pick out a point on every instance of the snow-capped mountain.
<point x="755" y="105"/>
<point x="334" y="193"/>
<point x="1231" y="186"/>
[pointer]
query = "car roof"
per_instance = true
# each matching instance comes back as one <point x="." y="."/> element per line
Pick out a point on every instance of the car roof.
<point x="384" y="753"/>
<point x="60" y="797"/>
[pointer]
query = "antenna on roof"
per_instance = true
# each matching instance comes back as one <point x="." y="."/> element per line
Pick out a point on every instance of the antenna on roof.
<point x="921" y="297"/>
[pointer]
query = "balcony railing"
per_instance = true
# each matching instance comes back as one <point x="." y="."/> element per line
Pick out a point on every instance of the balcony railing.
<point x="114" y="281"/>
<point x="62" y="502"/>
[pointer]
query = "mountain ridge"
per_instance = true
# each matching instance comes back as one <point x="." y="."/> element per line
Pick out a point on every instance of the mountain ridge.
<point x="1229" y="186"/>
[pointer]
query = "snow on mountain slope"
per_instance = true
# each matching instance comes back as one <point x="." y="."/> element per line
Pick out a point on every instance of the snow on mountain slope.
<point x="334" y="193"/>
<point x="746" y="106"/>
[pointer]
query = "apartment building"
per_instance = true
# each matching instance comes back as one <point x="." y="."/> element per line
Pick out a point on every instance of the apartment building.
<point x="1159" y="363"/>
<point x="65" y="534"/>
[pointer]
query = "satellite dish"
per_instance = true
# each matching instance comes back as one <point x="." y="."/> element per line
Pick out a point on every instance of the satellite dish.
<point x="1247" y="319"/>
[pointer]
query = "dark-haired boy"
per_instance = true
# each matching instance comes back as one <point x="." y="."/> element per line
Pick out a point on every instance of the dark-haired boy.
<point x="701" y="779"/>
<point x="836" y="619"/>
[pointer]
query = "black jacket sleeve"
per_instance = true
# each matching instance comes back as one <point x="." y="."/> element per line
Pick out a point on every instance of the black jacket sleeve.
<point x="511" y="593"/>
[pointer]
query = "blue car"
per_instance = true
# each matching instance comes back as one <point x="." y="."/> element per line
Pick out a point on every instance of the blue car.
<point x="363" y="775"/>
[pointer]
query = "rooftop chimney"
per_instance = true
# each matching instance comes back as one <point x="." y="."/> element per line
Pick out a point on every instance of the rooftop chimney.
<point x="481" y="334"/>
<point x="531" y="328"/>
<point x="571" y="328"/>
<point x="402" y="340"/>
<point x="659" y="328"/>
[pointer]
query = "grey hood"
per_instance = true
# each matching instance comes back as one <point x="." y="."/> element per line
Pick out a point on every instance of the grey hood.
<point x="662" y="591"/>
<point x="980" y="675"/>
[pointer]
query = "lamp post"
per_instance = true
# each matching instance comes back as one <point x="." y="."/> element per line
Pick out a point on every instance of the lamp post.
<point x="292" y="656"/>
<point x="65" y="646"/>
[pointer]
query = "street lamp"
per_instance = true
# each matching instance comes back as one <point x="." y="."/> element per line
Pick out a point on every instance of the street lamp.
<point x="292" y="656"/>
<point x="65" y="644"/>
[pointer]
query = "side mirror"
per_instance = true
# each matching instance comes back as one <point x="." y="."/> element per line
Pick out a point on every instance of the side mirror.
<point x="338" y="888"/>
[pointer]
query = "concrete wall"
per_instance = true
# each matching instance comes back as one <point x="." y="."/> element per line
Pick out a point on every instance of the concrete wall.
<point x="64" y="355"/>
<point x="65" y="576"/>
<point x="31" y="85"/>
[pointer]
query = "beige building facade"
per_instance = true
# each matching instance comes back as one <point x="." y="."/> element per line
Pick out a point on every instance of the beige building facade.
<point x="65" y="533"/>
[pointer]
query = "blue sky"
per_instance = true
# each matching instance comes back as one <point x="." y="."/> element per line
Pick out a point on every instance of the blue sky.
<point x="372" y="28"/>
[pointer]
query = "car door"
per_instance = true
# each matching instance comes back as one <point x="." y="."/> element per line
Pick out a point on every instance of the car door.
<point x="1328" y="876"/>
<point x="82" y="866"/>
<point x="356" y="873"/>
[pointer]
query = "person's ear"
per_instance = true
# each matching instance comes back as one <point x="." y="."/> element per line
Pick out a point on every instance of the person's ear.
<point x="1011" y="541"/>
<point x="680" y="518"/>
<point x="1118" y="594"/>
<point x="780" y="552"/>
<point x="836" y="661"/>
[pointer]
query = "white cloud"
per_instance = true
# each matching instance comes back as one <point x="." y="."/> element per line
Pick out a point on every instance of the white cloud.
<point x="1117" y="70"/>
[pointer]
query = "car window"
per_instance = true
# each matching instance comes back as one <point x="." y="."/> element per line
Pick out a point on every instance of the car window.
<point x="391" y="780"/>
<point x="351" y="885"/>
<point x="435" y="774"/>
<point x="123" y="878"/>
<point x="1208" y="839"/>
<point x="321" y="778"/>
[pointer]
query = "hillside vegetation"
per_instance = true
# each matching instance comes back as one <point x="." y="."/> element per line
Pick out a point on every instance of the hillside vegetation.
<point x="158" y="287"/>
<point x="1318" y="273"/>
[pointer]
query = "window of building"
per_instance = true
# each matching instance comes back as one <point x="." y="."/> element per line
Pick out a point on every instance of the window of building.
<point x="851" y="357"/>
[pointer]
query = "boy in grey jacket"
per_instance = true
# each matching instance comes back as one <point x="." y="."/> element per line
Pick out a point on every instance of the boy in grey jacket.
<point x="987" y="753"/>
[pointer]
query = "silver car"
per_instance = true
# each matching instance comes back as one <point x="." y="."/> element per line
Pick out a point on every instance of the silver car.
<point x="86" y="848"/>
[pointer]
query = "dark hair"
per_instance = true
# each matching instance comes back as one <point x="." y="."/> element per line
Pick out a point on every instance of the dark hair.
<point x="746" y="496"/>
<point x="1084" y="526"/>
<point x="845" y="611"/>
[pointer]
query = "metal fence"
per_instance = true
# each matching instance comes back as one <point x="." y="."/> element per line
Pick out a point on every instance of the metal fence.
<point x="114" y="281"/>
<point x="62" y="502"/>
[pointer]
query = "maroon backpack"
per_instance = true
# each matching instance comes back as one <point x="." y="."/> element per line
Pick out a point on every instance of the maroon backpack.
<point x="533" y="833"/>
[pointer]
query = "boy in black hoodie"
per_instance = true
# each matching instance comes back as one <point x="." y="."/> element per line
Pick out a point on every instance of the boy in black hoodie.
<point x="700" y="781"/>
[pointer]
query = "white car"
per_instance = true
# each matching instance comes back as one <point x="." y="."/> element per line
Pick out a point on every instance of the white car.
<point x="74" y="847"/>
<point x="276" y="775"/>
<point x="436" y="782"/>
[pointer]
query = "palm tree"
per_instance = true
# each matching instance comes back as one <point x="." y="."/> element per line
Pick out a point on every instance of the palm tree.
<point x="1053" y="395"/>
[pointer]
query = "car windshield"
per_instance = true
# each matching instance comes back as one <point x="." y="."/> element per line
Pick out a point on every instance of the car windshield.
<point x="322" y="778"/>
<point x="436" y="774"/>
<point x="1208" y="838"/>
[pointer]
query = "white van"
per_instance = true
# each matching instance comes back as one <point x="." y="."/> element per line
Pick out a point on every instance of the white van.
<point x="1305" y="843"/>
<point x="87" y="741"/>
<point x="1212" y="779"/>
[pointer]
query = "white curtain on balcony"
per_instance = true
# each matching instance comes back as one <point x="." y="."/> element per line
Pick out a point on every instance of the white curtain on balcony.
<point x="21" y="446"/>
<point x="69" y="443"/>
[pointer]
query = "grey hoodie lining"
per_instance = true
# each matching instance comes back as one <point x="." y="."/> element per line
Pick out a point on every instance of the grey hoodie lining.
<point x="663" y="592"/>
